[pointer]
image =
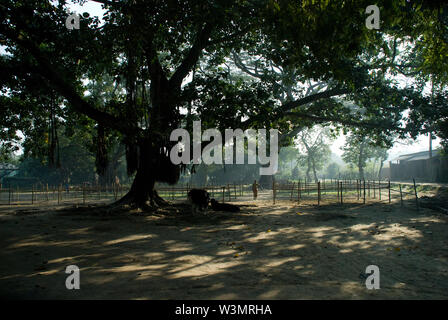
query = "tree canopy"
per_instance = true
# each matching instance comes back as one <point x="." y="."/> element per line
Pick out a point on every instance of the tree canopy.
<point x="240" y="64"/>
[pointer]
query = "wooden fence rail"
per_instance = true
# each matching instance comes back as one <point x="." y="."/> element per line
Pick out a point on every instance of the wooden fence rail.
<point x="302" y="191"/>
<point x="339" y="191"/>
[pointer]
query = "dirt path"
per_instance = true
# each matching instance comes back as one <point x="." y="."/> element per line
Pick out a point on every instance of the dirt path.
<point x="284" y="251"/>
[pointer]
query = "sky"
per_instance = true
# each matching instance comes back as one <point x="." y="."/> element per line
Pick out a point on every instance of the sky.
<point x="93" y="8"/>
<point x="399" y="148"/>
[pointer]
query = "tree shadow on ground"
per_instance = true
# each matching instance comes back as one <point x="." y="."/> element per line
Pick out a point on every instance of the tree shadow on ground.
<point x="285" y="251"/>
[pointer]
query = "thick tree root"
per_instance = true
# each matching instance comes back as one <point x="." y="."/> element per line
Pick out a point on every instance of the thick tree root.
<point x="131" y="202"/>
<point x="159" y="200"/>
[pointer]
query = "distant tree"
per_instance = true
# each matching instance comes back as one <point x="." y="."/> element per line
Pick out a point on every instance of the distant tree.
<point x="356" y="153"/>
<point x="287" y="161"/>
<point x="76" y="161"/>
<point x="359" y="149"/>
<point x="7" y="153"/>
<point x="295" y="174"/>
<point x="332" y="170"/>
<point x="381" y="154"/>
<point x="314" y="144"/>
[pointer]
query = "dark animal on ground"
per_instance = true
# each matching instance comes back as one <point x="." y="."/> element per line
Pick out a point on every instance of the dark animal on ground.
<point x="223" y="206"/>
<point x="199" y="200"/>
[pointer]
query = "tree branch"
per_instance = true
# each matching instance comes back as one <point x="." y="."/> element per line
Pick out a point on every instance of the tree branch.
<point x="53" y="75"/>
<point x="192" y="57"/>
<point x="109" y="3"/>
<point x="156" y="73"/>
<point x="239" y="63"/>
<point x="365" y="124"/>
<point x="229" y="37"/>
<point x="314" y="97"/>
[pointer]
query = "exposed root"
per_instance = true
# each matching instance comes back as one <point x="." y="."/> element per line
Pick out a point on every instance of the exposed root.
<point x="159" y="200"/>
<point x="149" y="205"/>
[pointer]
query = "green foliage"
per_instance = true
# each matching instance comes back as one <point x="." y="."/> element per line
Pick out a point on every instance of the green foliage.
<point x="287" y="166"/>
<point x="131" y="75"/>
<point x="359" y="149"/>
<point x="332" y="171"/>
<point x="76" y="162"/>
<point x="314" y="144"/>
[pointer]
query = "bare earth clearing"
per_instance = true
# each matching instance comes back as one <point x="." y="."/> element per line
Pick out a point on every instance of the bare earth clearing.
<point x="282" y="251"/>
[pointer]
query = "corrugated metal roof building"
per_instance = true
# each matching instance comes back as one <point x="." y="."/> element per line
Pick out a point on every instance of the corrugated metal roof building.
<point x="420" y="165"/>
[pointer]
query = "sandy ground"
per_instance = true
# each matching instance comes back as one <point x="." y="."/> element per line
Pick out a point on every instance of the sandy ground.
<point x="282" y="251"/>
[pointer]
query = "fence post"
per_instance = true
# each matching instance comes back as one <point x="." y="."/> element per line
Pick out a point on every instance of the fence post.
<point x="223" y="194"/>
<point x="84" y="193"/>
<point x="298" y="192"/>
<point x="337" y="188"/>
<point x="59" y="194"/>
<point x="388" y="186"/>
<point x="416" y="197"/>
<point x="292" y="190"/>
<point x="368" y="187"/>
<point x="379" y="189"/>
<point x="401" y="195"/>
<point x="364" y="187"/>
<point x="32" y="194"/>
<point x="318" y="193"/>
<point x="342" y="191"/>
<point x="374" y="190"/>
<point x="357" y="189"/>
<point x="273" y="190"/>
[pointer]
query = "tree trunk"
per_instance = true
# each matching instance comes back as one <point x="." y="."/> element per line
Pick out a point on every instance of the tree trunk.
<point x="361" y="173"/>
<point x="314" y="170"/>
<point x="308" y="168"/>
<point x="152" y="167"/>
<point x="381" y="168"/>
<point x="361" y="161"/>
<point x="142" y="193"/>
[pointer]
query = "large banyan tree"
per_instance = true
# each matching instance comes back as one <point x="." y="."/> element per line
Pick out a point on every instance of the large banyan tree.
<point x="167" y="60"/>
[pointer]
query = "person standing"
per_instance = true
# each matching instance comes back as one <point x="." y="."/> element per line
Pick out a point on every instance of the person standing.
<point x="116" y="186"/>
<point x="255" y="189"/>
